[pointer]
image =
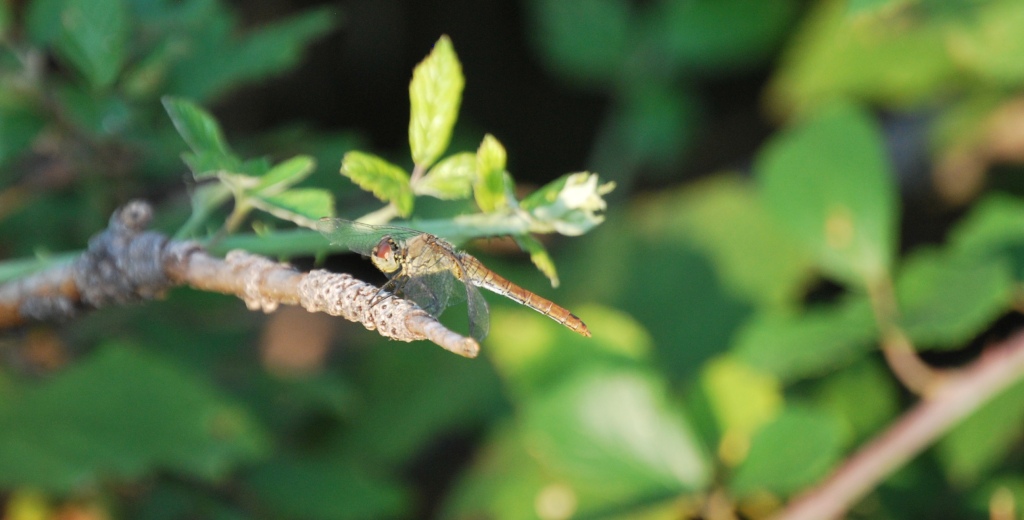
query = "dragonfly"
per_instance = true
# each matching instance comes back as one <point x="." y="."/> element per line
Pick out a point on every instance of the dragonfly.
<point x="431" y="272"/>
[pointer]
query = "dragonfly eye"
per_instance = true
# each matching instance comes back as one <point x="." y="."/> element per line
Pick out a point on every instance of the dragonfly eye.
<point x="383" y="249"/>
<point x="385" y="256"/>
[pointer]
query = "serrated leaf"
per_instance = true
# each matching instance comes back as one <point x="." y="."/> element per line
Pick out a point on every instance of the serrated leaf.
<point x="94" y="38"/>
<point x="435" y="93"/>
<point x="616" y="430"/>
<point x="790" y="453"/>
<point x="793" y="345"/>
<point x="303" y="206"/>
<point x="489" y="187"/>
<point x="121" y="414"/>
<point x="450" y="179"/>
<point x="981" y="441"/>
<point x="945" y="301"/>
<point x="285" y="174"/>
<point x="539" y="256"/>
<point x="202" y="134"/>
<point x="829" y="183"/>
<point x="386" y="181"/>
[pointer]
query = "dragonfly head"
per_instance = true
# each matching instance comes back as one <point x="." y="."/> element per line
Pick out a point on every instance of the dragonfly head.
<point x="386" y="256"/>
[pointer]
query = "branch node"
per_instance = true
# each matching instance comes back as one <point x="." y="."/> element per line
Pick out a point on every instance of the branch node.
<point x="255" y="271"/>
<point x="124" y="263"/>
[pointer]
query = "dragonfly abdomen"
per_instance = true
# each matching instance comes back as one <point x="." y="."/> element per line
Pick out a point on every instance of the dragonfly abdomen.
<point x="483" y="277"/>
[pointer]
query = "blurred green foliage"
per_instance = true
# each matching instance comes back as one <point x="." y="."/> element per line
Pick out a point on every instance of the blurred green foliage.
<point x="736" y="319"/>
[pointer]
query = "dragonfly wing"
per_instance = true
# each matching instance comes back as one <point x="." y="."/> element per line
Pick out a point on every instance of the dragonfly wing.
<point x="433" y="291"/>
<point x="479" y="315"/>
<point x="360" y="238"/>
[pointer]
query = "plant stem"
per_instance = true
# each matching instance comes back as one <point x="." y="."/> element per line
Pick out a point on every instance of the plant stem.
<point x="899" y="352"/>
<point x="953" y="398"/>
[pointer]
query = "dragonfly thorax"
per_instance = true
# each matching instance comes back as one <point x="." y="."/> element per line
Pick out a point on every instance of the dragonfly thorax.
<point x="385" y="256"/>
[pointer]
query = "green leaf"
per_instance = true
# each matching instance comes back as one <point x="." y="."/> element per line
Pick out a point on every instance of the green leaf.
<point x="945" y="301"/>
<point x="787" y="455"/>
<point x="539" y="256"/>
<point x="202" y="134"/>
<point x="285" y="174"/>
<point x="42" y="20"/>
<point x="794" y="345"/>
<point x="324" y="489"/>
<point x="586" y="40"/>
<point x="508" y="480"/>
<point x="121" y="414"/>
<point x="102" y="114"/>
<point x="863" y="395"/>
<point x="504" y="480"/>
<point x="450" y="179"/>
<point x="614" y="430"/>
<point x="991" y="45"/>
<point x="982" y="441"/>
<point x="220" y="59"/>
<point x="388" y="182"/>
<point x="489" y="187"/>
<point x="205" y="199"/>
<point x="655" y="124"/>
<point x="303" y="206"/>
<point x="750" y="251"/>
<point x="721" y="34"/>
<point x="994" y="222"/>
<point x="895" y="68"/>
<point x="435" y="93"/>
<point x="828" y="182"/>
<point x="742" y="399"/>
<point x="994" y="229"/>
<point x="19" y="126"/>
<point x="403" y="417"/>
<point x="534" y="355"/>
<point x="95" y="38"/>
<point x="5" y="20"/>
<point x="546" y="195"/>
<point x="1001" y="492"/>
<point x="870" y="7"/>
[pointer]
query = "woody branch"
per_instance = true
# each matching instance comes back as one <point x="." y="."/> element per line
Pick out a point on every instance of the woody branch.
<point x="125" y="263"/>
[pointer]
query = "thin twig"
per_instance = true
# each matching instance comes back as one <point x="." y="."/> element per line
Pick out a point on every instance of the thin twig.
<point x="951" y="399"/>
<point x="900" y="354"/>
<point x="125" y="263"/>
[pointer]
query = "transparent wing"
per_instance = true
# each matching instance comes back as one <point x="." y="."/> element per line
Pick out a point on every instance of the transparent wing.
<point x="360" y="238"/>
<point x="479" y="315"/>
<point x="434" y="292"/>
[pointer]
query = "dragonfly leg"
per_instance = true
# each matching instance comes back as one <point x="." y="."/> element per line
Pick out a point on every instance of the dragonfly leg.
<point x="386" y="291"/>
